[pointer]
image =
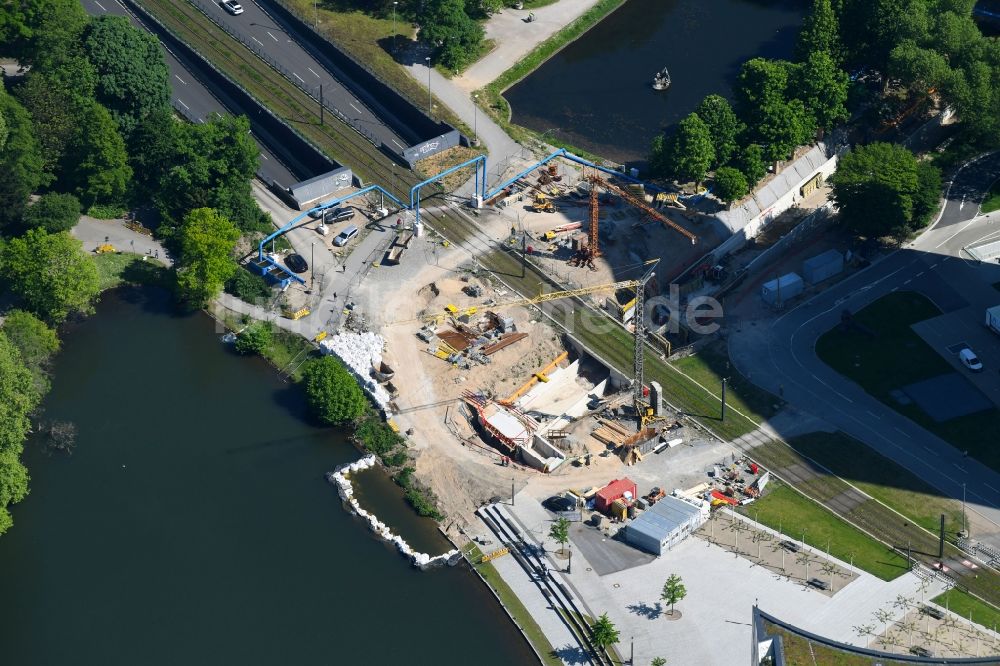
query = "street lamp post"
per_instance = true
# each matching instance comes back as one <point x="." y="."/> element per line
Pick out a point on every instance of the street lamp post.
<point x="963" y="509"/>
<point x="475" y="118"/>
<point x="312" y="266"/>
<point x="428" y="61"/>
<point x="394" y="26"/>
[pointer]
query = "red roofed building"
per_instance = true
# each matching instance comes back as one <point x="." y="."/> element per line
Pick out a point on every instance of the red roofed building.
<point x="614" y="490"/>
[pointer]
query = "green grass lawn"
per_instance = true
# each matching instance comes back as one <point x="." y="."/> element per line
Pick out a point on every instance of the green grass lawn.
<point x="711" y="364"/>
<point x="895" y="357"/>
<point x="967" y="605"/>
<point x="287" y="351"/>
<point x="992" y="200"/>
<point x="801" y="650"/>
<point x="785" y="509"/>
<point x="881" y="478"/>
<point x="116" y="269"/>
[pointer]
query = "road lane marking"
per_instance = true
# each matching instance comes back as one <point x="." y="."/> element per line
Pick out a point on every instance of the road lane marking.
<point x="901" y="432"/>
<point x="270" y="35"/>
<point x="919" y="274"/>
<point x="401" y="146"/>
<point x="180" y="79"/>
<point x="103" y="9"/>
<point x="181" y="102"/>
<point x="354" y="107"/>
<point x="314" y="73"/>
<point x="298" y="77"/>
<point x="874" y="415"/>
<point x="908" y="281"/>
<point x="930" y="450"/>
<point x="955" y="234"/>
<point x="265" y="156"/>
<point x="991" y="488"/>
<point x="960" y="468"/>
<point x="256" y="40"/>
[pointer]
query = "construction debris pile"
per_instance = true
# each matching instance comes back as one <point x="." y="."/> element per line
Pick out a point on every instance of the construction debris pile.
<point x="741" y="482"/>
<point x="469" y="339"/>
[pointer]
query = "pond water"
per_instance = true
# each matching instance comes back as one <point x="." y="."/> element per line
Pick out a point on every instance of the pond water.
<point x="597" y="92"/>
<point x="193" y="523"/>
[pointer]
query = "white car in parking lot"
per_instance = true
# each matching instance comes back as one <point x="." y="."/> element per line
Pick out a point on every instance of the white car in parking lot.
<point x="232" y="7"/>
<point x="970" y="360"/>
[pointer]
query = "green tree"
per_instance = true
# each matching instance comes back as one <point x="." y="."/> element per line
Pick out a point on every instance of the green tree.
<point x="31" y="28"/>
<point x="928" y="195"/>
<point x="153" y="151"/>
<point x="50" y="273"/>
<point x="657" y="160"/>
<point x="18" y="397"/>
<point x="723" y="126"/>
<point x="248" y="286"/>
<point x="880" y="190"/>
<point x="917" y="67"/>
<point x="822" y="87"/>
<point x="673" y="591"/>
<point x="53" y="212"/>
<point x="785" y="126"/>
<point x="690" y="152"/>
<point x="559" y="532"/>
<point x="35" y="342"/>
<point x="206" y="241"/>
<point x="132" y="76"/>
<point x="760" y="85"/>
<point x="20" y="161"/>
<point x="255" y="338"/>
<point x="449" y="29"/>
<point x="730" y="184"/>
<point x="750" y="162"/>
<point x="96" y="164"/>
<point x="604" y="633"/>
<point x="820" y="32"/>
<point x="211" y="166"/>
<point x="3" y="133"/>
<point x="332" y="394"/>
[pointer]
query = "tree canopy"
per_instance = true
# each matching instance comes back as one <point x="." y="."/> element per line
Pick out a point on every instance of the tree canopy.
<point x="446" y="26"/>
<point x="53" y="212"/>
<point x="673" y="591"/>
<point x="206" y="245"/>
<point x="603" y="632"/>
<point x="50" y="273"/>
<point x="132" y="76"/>
<point x="35" y="342"/>
<point x="96" y="164"/>
<point x="881" y="189"/>
<point x="255" y="338"/>
<point x="20" y="161"/>
<point x="689" y="152"/>
<point x="18" y="397"/>
<point x="723" y="126"/>
<point x="820" y="33"/>
<point x="333" y="395"/>
<point x="822" y="87"/>
<point x="730" y="184"/>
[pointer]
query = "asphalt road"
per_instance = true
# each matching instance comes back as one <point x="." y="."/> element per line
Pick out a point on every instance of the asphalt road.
<point x="265" y="35"/>
<point x="779" y="355"/>
<point x="193" y="100"/>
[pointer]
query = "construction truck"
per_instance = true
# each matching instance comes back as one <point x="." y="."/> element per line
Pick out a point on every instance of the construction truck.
<point x="542" y="204"/>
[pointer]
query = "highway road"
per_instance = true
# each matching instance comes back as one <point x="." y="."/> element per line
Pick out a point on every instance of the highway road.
<point x="264" y="35"/>
<point x="193" y="100"/>
<point x="779" y="354"/>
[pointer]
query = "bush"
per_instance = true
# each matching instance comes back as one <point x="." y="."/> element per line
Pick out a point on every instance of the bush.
<point x="254" y="339"/>
<point x="36" y="342"/>
<point x="107" y="211"/>
<point x="395" y="459"/>
<point x="730" y="184"/>
<point x="376" y="437"/>
<point x="53" y="212"/>
<point x="423" y="503"/>
<point x="248" y="287"/>
<point x="331" y="392"/>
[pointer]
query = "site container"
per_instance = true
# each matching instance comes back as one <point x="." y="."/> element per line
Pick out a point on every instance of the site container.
<point x="782" y="290"/>
<point x="822" y="266"/>
<point x="993" y="318"/>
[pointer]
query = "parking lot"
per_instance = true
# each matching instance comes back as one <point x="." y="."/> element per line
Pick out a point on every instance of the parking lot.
<point x="947" y="334"/>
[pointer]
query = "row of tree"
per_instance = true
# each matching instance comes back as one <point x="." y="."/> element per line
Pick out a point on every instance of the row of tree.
<point x="779" y="105"/>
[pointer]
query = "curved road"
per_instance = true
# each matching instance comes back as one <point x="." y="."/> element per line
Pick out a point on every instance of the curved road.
<point x="779" y="354"/>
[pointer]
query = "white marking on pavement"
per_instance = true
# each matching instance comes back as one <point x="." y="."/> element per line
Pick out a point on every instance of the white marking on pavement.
<point x="874" y="414"/>
<point x="180" y="79"/>
<point x="181" y="102"/>
<point x="314" y="73"/>
<point x="100" y="5"/>
<point x="919" y="274"/>
<point x="402" y="147"/>
<point x="960" y="468"/>
<point x="933" y="266"/>
<point x="991" y="488"/>
<point x="962" y="205"/>
<point x="354" y="107"/>
<point x="270" y="35"/>
<point x="955" y="234"/>
<point x="930" y="450"/>
<point x="256" y="40"/>
<point x="265" y="156"/>
<point x="901" y="432"/>
<point x="298" y="77"/>
<point x="908" y="281"/>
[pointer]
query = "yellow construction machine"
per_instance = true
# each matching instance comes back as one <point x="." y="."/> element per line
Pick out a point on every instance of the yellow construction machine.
<point x="543" y="204"/>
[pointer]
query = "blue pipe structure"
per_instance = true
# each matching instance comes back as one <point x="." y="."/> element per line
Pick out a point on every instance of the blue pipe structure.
<point x="562" y="152"/>
<point x="329" y="204"/>
<point x="480" y="189"/>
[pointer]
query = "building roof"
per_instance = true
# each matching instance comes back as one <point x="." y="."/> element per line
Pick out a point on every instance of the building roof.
<point x="617" y="488"/>
<point x="506" y="424"/>
<point x="663" y="518"/>
<point x="322" y="185"/>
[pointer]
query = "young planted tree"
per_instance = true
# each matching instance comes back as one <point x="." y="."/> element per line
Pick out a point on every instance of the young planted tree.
<point x="604" y="633"/>
<point x="673" y="591"/>
<point x="206" y="240"/>
<point x="559" y="532"/>
<point x="333" y="395"/>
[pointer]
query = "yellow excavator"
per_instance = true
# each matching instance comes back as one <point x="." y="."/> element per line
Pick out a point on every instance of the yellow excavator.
<point x="543" y="204"/>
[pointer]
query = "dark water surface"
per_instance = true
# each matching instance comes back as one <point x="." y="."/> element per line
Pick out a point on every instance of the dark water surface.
<point x="597" y="91"/>
<point x="193" y="524"/>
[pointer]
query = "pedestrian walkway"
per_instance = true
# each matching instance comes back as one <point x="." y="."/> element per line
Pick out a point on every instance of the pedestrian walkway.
<point x="93" y="233"/>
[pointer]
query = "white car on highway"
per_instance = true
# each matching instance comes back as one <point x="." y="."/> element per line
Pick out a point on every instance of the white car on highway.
<point x="232" y="7"/>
